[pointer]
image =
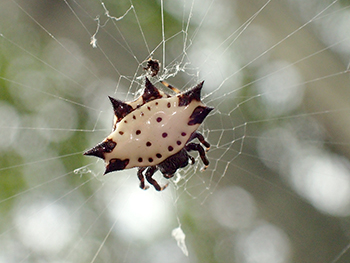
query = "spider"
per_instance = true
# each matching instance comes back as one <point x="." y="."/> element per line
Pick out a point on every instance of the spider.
<point x="155" y="132"/>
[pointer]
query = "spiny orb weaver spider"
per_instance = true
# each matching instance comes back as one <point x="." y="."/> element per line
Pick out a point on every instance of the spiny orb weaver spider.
<point x="154" y="132"/>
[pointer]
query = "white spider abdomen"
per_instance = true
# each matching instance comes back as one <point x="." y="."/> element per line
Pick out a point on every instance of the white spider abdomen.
<point x="153" y="132"/>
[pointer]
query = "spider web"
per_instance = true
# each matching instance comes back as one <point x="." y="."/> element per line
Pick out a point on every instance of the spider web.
<point x="278" y="184"/>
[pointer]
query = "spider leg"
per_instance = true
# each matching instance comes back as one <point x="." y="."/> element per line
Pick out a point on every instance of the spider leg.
<point x="166" y="84"/>
<point x="200" y="137"/>
<point x="168" y="176"/>
<point x="197" y="147"/>
<point x="141" y="178"/>
<point x="192" y="159"/>
<point x="149" y="173"/>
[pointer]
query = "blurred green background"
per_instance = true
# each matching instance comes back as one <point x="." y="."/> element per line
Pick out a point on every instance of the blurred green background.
<point x="278" y="185"/>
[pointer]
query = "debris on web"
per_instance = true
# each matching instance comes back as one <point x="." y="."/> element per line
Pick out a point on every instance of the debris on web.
<point x="82" y="170"/>
<point x="93" y="39"/>
<point x="180" y="236"/>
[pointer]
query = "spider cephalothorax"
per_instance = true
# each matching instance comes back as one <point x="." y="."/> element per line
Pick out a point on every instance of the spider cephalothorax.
<point x="154" y="132"/>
